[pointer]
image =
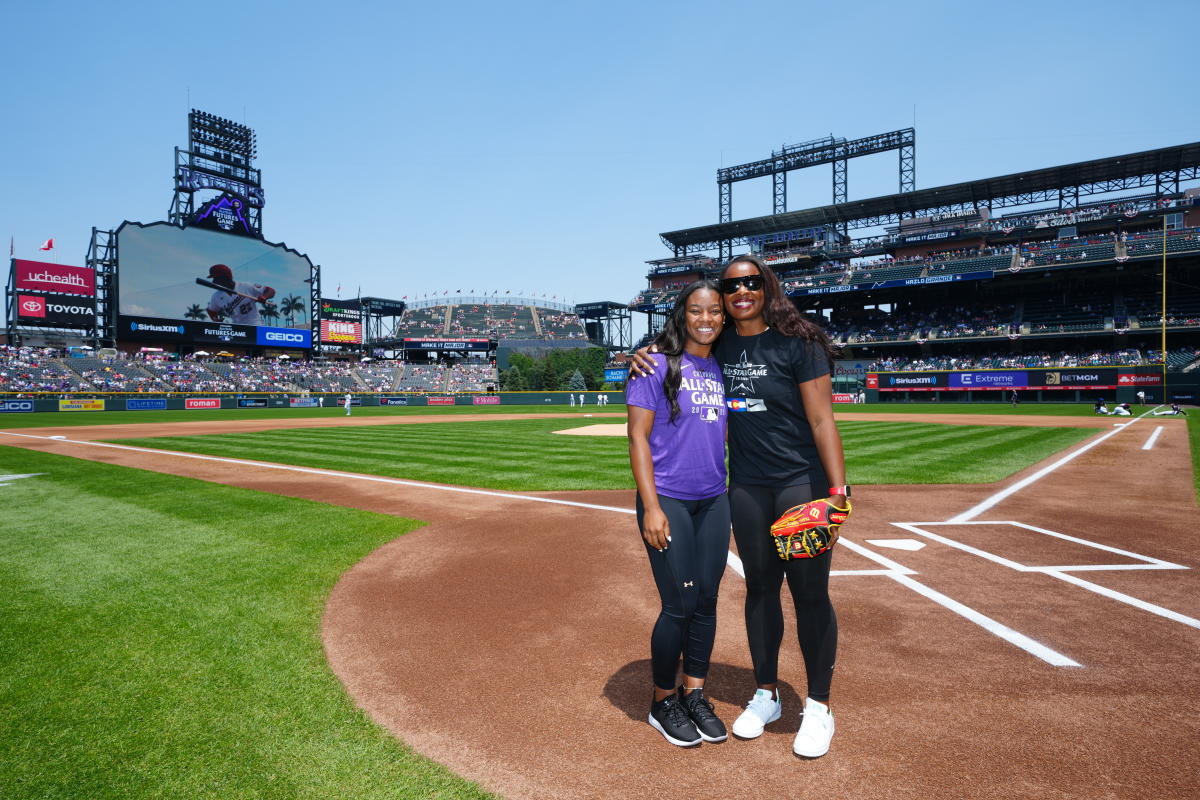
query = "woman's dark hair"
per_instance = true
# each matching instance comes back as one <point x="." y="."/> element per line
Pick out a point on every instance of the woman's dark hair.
<point x="673" y="338"/>
<point x="781" y="313"/>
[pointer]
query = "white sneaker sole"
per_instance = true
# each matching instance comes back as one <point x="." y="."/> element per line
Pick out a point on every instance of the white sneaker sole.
<point x="711" y="738"/>
<point x="677" y="742"/>
<point x="752" y="731"/>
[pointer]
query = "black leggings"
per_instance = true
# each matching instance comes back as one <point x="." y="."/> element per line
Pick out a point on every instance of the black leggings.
<point x="688" y="574"/>
<point x="754" y="508"/>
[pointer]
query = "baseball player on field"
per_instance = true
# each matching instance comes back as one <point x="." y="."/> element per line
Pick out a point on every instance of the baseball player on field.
<point x="346" y="400"/>
<point x="239" y="302"/>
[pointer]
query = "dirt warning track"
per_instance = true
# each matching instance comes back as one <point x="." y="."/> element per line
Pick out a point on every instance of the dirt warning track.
<point x="508" y="639"/>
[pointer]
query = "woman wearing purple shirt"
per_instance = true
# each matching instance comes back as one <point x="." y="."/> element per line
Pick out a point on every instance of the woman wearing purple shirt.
<point x="677" y="452"/>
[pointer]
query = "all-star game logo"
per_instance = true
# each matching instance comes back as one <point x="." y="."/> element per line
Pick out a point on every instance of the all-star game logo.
<point x="225" y="213"/>
<point x="742" y="374"/>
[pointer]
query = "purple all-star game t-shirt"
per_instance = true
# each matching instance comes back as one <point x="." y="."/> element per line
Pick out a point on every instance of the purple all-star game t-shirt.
<point x="689" y="453"/>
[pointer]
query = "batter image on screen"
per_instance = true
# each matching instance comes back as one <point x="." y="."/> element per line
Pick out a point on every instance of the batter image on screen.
<point x="172" y="273"/>
<point x="234" y="301"/>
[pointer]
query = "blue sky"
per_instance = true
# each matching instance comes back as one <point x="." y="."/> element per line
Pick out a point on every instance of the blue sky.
<point x="412" y="148"/>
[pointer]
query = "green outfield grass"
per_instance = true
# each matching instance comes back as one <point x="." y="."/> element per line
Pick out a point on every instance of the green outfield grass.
<point x="1005" y="409"/>
<point x="159" y="637"/>
<point x="55" y="419"/>
<point x="526" y="455"/>
<point x="1193" y="423"/>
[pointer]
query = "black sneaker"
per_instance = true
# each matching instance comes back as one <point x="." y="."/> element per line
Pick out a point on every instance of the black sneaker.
<point x="669" y="718"/>
<point x="700" y="711"/>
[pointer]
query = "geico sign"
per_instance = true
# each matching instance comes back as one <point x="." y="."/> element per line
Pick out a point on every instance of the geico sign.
<point x="278" y="336"/>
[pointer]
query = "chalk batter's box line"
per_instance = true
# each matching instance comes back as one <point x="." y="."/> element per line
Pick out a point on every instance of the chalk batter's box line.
<point x="1063" y="573"/>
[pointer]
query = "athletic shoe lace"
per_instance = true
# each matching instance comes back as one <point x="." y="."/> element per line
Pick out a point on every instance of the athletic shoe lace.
<point x="674" y="712"/>
<point x="700" y="707"/>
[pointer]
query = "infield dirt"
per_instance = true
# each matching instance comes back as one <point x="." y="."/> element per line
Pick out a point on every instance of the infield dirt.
<point x="508" y="639"/>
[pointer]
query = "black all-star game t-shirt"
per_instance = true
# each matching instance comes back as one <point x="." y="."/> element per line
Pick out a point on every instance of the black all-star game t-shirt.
<point x="770" y="439"/>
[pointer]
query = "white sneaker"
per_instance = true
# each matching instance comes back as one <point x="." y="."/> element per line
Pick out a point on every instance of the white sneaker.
<point x="816" y="730"/>
<point x="762" y="710"/>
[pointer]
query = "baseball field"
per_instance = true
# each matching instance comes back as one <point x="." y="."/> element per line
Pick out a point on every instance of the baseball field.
<point x="445" y="603"/>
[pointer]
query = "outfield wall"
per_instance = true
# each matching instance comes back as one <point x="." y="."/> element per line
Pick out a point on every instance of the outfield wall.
<point x="78" y="403"/>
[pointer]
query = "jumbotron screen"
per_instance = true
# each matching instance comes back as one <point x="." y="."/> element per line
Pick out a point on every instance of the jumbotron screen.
<point x="191" y="284"/>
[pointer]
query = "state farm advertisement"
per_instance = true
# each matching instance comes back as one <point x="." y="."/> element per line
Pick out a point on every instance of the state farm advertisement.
<point x="1130" y="379"/>
<point x="39" y="276"/>
<point x="202" y="402"/>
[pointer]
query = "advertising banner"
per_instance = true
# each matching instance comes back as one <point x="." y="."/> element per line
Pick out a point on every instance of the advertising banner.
<point x="1130" y="379"/>
<point x="15" y="406"/>
<point x="993" y="379"/>
<point x="58" y="310"/>
<point x="161" y="330"/>
<point x="446" y="344"/>
<point x="252" y="402"/>
<point x="393" y="401"/>
<point x="440" y="401"/>
<point x="910" y="381"/>
<point x="872" y="380"/>
<point x="616" y="375"/>
<point x="843" y="398"/>
<point x="202" y="402"/>
<point x="80" y="405"/>
<point x="336" y="332"/>
<point x="39" y="276"/>
<point x="303" y="402"/>
<point x="486" y="400"/>
<point x="284" y="337"/>
<point x="145" y="404"/>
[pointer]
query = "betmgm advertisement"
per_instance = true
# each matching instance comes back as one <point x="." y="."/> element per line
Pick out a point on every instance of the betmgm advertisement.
<point x="191" y="285"/>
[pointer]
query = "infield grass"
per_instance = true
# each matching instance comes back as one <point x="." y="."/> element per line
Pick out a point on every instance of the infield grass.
<point x="159" y="637"/>
<point x="57" y="419"/>
<point x="526" y="455"/>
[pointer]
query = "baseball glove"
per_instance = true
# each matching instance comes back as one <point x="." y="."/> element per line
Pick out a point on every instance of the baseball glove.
<point x="809" y="529"/>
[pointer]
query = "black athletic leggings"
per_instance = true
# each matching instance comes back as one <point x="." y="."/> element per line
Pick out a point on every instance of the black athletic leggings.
<point x="688" y="574"/>
<point x="754" y="508"/>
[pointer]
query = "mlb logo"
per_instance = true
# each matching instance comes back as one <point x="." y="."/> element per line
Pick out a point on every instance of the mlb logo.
<point x="31" y="306"/>
<point x="709" y="415"/>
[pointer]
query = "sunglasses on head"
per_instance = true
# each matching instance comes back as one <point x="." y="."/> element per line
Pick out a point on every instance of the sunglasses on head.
<point x="752" y="283"/>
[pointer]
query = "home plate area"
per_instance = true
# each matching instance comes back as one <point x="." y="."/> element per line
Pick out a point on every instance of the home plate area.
<point x="1019" y="582"/>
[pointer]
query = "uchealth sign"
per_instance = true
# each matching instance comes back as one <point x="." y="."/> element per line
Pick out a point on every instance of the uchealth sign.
<point x="202" y="402"/>
<point x="39" y="276"/>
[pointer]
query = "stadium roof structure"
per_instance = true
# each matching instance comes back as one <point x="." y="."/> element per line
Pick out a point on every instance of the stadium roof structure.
<point x="1163" y="168"/>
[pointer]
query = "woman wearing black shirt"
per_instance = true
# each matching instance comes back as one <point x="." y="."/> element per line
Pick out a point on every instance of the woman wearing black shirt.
<point x="784" y="449"/>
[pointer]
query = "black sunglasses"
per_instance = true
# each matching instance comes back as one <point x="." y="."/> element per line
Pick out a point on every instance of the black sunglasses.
<point x="752" y="283"/>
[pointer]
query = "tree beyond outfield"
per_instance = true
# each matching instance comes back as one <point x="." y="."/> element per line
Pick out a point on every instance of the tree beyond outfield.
<point x="556" y="370"/>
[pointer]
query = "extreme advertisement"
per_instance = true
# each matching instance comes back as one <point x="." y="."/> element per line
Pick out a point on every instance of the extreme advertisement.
<point x="193" y="284"/>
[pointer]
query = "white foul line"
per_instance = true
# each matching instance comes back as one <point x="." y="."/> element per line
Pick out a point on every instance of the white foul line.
<point x="978" y="509"/>
<point x="1153" y="438"/>
<point x="1006" y="633"/>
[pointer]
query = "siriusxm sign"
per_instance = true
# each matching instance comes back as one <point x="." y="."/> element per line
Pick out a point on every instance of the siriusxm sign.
<point x="284" y="337"/>
<point x="150" y="327"/>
